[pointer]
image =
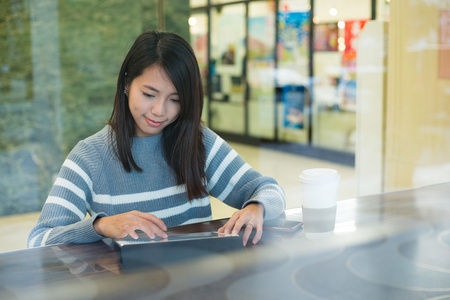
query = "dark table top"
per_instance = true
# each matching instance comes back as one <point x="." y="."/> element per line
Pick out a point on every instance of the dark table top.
<point x="387" y="246"/>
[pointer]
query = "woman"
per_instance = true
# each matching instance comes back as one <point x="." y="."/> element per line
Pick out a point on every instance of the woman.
<point x="155" y="164"/>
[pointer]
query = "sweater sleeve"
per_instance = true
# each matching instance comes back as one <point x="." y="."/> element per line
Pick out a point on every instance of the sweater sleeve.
<point x="63" y="217"/>
<point x="236" y="183"/>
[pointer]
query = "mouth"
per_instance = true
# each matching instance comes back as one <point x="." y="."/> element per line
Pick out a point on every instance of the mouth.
<point x="153" y="123"/>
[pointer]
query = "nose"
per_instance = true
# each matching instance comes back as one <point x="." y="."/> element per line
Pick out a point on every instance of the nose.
<point x="158" y="108"/>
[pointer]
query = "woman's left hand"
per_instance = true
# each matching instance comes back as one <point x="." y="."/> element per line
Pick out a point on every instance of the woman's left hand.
<point x="251" y="217"/>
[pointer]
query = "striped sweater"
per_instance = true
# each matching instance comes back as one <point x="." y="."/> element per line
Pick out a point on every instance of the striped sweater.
<point x="93" y="181"/>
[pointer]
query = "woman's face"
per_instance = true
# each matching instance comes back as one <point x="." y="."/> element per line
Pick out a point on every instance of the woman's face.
<point x="153" y="101"/>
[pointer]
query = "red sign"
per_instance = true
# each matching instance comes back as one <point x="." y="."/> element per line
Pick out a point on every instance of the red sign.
<point x="351" y="33"/>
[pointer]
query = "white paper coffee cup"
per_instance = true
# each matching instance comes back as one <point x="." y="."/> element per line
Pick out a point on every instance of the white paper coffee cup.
<point x="319" y="222"/>
<point x="319" y="187"/>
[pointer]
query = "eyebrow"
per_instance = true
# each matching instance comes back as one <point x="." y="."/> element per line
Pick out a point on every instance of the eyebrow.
<point x="156" y="90"/>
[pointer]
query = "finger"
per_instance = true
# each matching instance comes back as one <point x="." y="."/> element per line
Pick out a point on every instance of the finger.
<point x="247" y="231"/>
<point x="150" y="233"/>
<point x="161" y="233"/>
<point x="238" y="225"/>
<point x="131" y="231"/>
<point x="152" y="218"/>
<point x="258" y="235"/>
<point x="152" y="230"/>
<point x="228" y="227"/>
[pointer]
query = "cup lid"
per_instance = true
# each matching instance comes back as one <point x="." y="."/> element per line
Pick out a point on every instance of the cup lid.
<point x="319" y="174"/>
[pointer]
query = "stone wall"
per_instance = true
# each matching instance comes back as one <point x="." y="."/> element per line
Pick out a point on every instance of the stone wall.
<point x="59" y="62"/>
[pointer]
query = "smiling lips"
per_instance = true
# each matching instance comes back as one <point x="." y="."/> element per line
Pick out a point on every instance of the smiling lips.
<point x="153" y="123"/>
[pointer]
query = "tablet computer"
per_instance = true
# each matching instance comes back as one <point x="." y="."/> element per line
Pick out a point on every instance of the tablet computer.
<point x="143" y="238"/>
<point x="144" y="252"/>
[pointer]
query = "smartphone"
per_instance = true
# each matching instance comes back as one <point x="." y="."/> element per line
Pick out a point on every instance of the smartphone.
<point x="284" y="224"/>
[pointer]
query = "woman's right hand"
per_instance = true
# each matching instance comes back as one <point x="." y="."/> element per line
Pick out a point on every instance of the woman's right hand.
<point x="119" y="226"/>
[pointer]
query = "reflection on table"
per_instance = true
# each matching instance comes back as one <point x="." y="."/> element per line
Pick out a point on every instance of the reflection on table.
<point x="387" y="246"/>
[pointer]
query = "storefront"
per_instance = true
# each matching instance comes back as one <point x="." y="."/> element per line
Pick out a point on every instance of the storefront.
<point x="282" y="71"/>
<point x="279" y="73"/>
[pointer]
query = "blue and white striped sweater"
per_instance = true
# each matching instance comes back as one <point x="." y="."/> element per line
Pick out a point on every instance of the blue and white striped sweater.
<point x="92" y="180"/>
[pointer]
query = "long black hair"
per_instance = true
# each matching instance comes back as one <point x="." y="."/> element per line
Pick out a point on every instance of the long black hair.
<point x="182" y="140"/>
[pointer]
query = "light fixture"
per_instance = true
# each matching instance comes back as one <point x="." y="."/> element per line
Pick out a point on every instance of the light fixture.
<point x="192" y="21"/>
<point x="333" y="11"/>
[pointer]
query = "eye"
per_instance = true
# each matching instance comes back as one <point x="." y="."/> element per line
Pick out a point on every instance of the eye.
<point x="175" y="100"/>
<point x="147" y="95"/>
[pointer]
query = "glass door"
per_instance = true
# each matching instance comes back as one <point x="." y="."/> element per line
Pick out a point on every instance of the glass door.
<point x="227" y="67"/>
<point x="292" y="71"/>
<point x="336" y="31"/>
<point x="198" y="25"/>
<point x="261" y="70"/>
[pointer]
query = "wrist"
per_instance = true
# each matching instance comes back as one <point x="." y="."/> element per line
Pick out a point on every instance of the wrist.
<point x="258" y="205"/>
<point x="97" y="225"/>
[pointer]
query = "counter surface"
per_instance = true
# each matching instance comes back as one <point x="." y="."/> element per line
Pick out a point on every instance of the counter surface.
<point x="387" y="246"/>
